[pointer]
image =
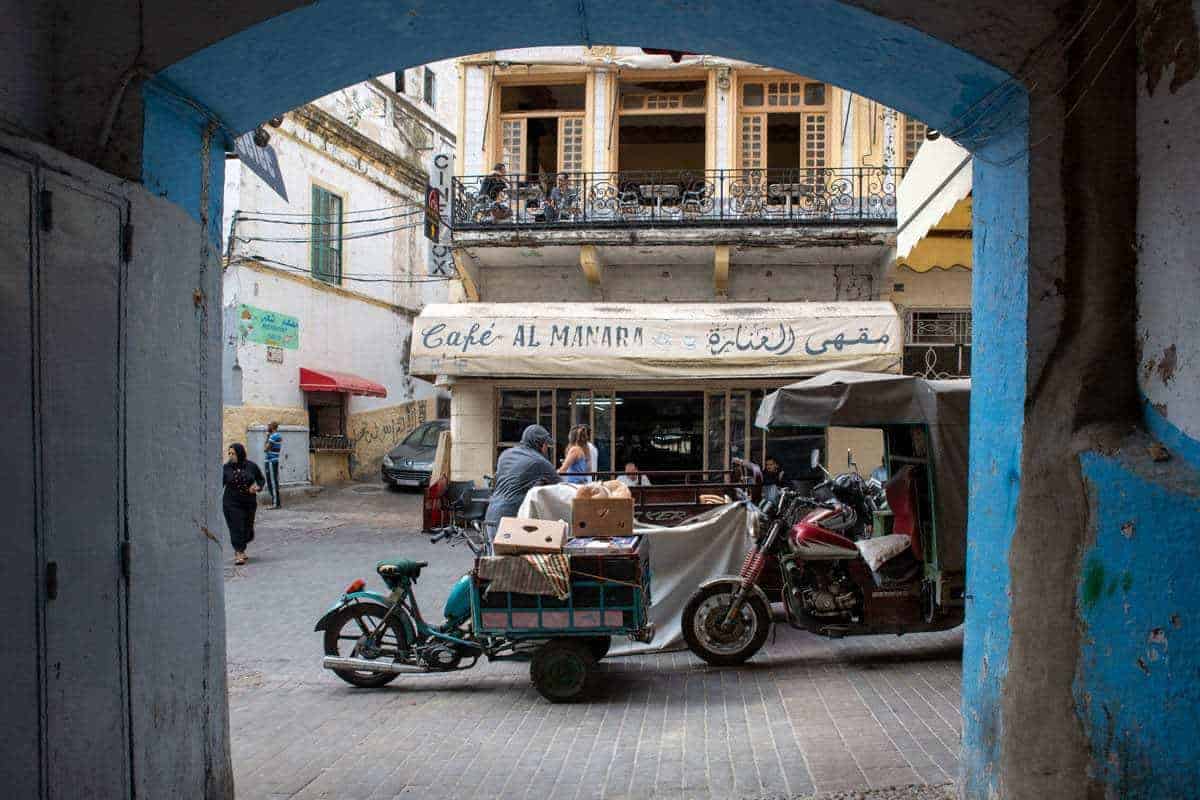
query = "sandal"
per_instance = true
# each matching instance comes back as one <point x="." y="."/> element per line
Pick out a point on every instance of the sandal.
<point x="239" y="558"/>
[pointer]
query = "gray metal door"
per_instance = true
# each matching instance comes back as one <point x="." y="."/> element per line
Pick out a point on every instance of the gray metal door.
<point x="20" y="769"/>
<point x="86" y="737"/>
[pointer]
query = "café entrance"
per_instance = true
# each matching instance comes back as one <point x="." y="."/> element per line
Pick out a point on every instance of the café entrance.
<point x="691" y="432"/>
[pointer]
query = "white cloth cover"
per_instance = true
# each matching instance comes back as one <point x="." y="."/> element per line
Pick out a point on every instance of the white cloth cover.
<point x="881" y="549"/>
<point x="681" y="558"/>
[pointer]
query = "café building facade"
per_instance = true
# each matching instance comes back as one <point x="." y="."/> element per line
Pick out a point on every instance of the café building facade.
<point x="668" y="387"/>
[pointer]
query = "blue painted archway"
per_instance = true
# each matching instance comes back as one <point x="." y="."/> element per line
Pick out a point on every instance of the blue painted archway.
<point x="288" y="60"/>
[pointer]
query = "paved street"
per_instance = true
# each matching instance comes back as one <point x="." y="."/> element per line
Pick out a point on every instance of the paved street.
<point x="808" y="715"/>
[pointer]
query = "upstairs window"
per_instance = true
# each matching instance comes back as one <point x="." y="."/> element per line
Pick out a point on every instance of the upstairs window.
<point x="430" y="87"/>
<point x="658" y="96"/>
<point x="543" y="97"/>
<point x="399" y="78"/>
<point x="914" y="137"/>
<point x="326" y="236"/>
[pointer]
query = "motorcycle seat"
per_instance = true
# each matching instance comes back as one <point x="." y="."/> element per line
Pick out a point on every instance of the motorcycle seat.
<point x="401" y="568"/>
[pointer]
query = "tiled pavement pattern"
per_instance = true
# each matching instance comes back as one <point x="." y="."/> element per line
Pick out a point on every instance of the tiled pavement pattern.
<point x="807" y="715"/>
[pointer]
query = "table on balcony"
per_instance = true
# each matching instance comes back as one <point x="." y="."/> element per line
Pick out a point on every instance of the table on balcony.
<point x="789" y="192"/>
<point x="659" y="192"/>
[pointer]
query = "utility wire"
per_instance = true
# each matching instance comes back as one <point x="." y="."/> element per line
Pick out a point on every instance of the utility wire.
<point x="253" y="217"/>
<point x="409" y="204"/>
<point x="335" y="238"/>
<point x="355" y="277"/>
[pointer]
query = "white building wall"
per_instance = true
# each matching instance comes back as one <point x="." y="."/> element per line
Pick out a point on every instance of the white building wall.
<point x="362" y="326"/>
<point x="280" y="230"/>
<point x="336" y="332"/>
<point x="1168" y="286"/>
<point x="471" y="147"/>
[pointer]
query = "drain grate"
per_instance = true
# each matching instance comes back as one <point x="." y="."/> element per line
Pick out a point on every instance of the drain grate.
<point x="366" y="489"/>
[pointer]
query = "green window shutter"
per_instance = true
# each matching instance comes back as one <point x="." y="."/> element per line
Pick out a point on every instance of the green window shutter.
<point x="315" y="228"/>
<point x="326" y="236"/>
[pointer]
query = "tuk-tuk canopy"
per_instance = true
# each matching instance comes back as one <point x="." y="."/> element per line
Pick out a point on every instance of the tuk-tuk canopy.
<point x="873" y="400"/>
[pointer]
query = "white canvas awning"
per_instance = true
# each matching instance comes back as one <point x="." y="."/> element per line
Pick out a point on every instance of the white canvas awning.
<point x="933" y="184"/>
<point x="642" y="341"/>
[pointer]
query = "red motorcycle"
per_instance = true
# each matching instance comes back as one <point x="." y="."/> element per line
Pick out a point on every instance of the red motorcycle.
<point x="838" y="578"/>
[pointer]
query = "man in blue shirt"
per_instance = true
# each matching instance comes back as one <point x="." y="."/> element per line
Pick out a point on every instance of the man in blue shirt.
<point x="272" y="447"/>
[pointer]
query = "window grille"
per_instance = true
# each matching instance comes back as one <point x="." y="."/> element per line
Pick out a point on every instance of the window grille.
<point x="752" y="141"/>
<point x="512" y="142"/>
<point x="571" y="137"/>
<point x="938" y="344"/>
<point x="914" y="137"/>
<point x="785" y="93"/>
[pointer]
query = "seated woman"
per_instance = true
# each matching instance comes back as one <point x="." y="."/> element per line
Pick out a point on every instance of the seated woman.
<point x="576" y="466"/>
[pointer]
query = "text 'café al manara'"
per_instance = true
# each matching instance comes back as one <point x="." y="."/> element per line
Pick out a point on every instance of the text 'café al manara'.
<point x="667" y="387"/>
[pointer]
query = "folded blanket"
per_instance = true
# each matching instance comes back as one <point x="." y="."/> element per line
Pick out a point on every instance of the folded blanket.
<point x="547" y="574"/>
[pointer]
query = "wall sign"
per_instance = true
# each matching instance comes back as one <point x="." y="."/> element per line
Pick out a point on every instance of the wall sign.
<point x="654" y="340"/>
<point x="439" y="263"/>
<point x="259" y="326"/>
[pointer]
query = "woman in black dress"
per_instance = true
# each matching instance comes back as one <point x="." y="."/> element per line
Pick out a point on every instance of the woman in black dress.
<point x="242" y="480"/>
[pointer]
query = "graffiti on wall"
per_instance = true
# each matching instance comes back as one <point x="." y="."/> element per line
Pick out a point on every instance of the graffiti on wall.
<point x="375" y="432"/>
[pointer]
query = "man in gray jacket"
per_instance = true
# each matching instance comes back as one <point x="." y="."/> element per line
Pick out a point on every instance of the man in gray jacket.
<point x="518" y="470"/>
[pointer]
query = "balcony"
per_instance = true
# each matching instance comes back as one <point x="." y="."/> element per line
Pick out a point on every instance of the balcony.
<point x="839" y="197"/>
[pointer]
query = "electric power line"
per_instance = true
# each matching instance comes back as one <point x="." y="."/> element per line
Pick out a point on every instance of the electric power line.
<point x="355" y="277"/>
<point x="254" y="217"/>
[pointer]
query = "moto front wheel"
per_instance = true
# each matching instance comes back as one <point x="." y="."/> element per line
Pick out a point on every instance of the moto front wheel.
<point x="721" y="641"/>
<point x="563" y="670"/>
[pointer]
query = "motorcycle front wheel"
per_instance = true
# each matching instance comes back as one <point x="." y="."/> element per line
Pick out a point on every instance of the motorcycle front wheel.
<point x="714" y="641"/>
<point x="347" y="636"/>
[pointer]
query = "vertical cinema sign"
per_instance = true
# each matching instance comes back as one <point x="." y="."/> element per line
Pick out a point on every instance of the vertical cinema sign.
<point x="439" y="263"/>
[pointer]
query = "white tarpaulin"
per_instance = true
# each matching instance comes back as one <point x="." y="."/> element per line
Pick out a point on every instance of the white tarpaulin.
<point x="655" y="340"/>
<point x="681" y="558"/>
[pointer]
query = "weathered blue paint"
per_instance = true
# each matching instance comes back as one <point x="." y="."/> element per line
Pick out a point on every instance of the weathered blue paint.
<point x="179" y="138"/>
<point x="293" y="58"/>
<point x="1136" y="685"/>
<point x="1001" y="256"/>
<point x="1179" y="443"/>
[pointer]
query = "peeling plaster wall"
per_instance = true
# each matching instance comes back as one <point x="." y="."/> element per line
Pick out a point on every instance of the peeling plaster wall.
<point x="688" y="283"/>
<point x="337" y="332"/>
<point x="1168" y="286"/>
<point x="1136" y="685"/>
<point x="1137" y="679"/>
<point x="148" y="448"/>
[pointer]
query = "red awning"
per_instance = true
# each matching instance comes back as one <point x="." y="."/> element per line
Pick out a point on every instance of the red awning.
<point x="325" y="380"/>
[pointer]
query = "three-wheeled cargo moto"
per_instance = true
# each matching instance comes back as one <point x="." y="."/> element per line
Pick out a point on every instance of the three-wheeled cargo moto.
<point x="371" y="637"/>
<point x="858" y="556"/>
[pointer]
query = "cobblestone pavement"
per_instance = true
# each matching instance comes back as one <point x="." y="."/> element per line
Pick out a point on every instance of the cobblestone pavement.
<point x="807" y="716"/>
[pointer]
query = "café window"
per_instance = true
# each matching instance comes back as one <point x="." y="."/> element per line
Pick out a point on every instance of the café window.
<point x="520" y="408"/>
<point x="938" y="343"/>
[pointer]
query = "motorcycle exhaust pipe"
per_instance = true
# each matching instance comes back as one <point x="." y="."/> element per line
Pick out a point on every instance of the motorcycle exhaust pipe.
<point x="366" y="665"/>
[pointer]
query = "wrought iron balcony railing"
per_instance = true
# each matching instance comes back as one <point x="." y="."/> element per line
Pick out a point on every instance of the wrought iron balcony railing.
<point x="844" y="195"/>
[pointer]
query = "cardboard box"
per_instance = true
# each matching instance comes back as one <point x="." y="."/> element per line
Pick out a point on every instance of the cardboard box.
<point x="515" y="536"/>
<point x="602" y="516"/>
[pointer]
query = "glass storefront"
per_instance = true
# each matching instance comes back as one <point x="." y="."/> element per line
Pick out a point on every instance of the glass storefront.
<point x="679" y="431"/>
